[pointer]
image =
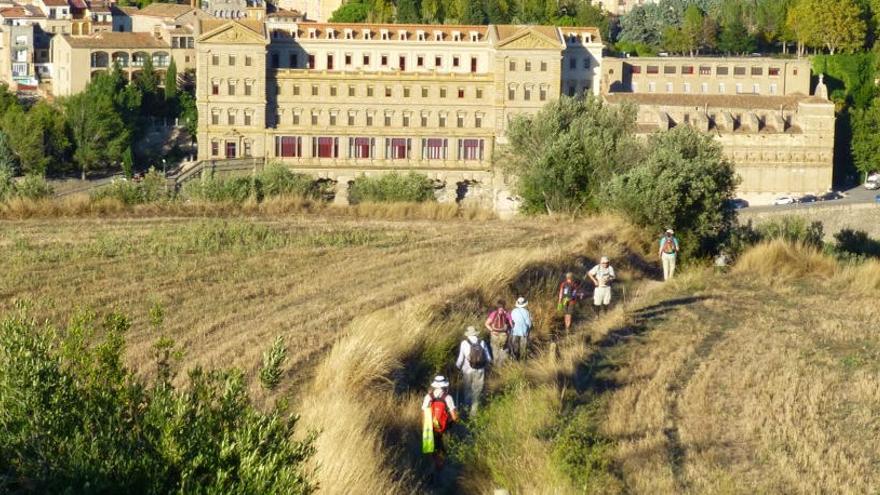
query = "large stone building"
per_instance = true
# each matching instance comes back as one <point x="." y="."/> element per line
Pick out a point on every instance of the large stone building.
<point x="620" y="7"/>
<point x="344" y="99"/>
<point x="780" y="138"/>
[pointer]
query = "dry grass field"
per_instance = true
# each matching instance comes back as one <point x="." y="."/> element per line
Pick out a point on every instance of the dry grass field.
<point x="764" y="380"/>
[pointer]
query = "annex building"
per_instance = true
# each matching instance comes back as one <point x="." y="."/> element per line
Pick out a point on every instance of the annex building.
<point x="778" y="134"/>
<point x="339" y="100"/>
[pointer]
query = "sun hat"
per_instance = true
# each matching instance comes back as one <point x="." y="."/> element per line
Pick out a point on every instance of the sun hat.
<point x="440" y="381"/>
<point x="521" y="302"/>
<point x="604" y="260"/>
<point x="569" y="274"/>
<point x="669" y="231"/>
<point x="471" y="332"/>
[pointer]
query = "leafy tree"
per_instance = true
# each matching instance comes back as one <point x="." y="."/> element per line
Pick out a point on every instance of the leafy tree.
<point x="171" y="81"/>
<point x="473" y="13"/>
<point x="97" y="127"/>
<point x="8" y="159"/>
<point x="841" y="25"/>
<point x="592" y="15"/>
<point x="189" y="113"/>
<point x="735" y="38"/>
<point x="866" y="138"/>
<point x="675" y="40"/>
<point x="409" y="11"/>
<point x="8" y="99"/>
<point x="26" y="140"/>
<point x="354" y="11"/>
<point x="685" y="182"/>
<point x="563" y="154"/>
<point x="498" y="11"/>
<point x="692" y="29"/>
<point x="382" y="11"/>
<point x="128" y="163"/>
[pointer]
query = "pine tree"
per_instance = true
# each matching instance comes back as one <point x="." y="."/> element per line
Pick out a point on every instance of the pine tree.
<point x="473" y="13"/>
<point x="171" y="81"/>
<point x="408" y="11"/>
<point x="128" y="163"/>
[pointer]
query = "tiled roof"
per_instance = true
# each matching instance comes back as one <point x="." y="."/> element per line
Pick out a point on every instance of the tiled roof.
<point x="116" y="40"/>
<point x="507" y="31"/>
<point x="165" y="10"/>
<point x="124" y="10"/>
<point x="323" y="30"/>
<point x="712" y="101"/>
<point x="22" y="12"/>
<point x="55" y="3"/>
<point x="286" y="13"/>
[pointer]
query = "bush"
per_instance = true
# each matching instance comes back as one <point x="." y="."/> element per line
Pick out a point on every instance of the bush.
<point x="278" y="180"/>
<point x="392" y="187"/>
<point x="793" y="229"/>
<point x="209" y="188"/>
<point x="151" y="189"/>
<point x="32" y="186"/>
<point x="273" y="181"/>
<point x="74" y="419"/>
<point x="856" y="243"/>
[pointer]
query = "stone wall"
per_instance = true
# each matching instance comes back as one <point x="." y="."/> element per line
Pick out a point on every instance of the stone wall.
<point x="861" y="216"/>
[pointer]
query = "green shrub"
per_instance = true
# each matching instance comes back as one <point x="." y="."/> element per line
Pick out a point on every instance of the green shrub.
<point x="74" y="419"/>
<point x="392" y="187"/>
<point x="151" y="189"/>
<point x="209" y="188"/>
<point x="7" y="186"/>
<point x="33" y="186"/>
<point x="793" y="229"/>
<point x="273" y="181"/>
<point x="278" y="180"/>
<point x="856" y="243"/>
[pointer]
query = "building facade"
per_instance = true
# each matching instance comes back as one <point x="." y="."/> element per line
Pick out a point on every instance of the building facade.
<point x="779" y="136"/>
<point x="355" y="98"/>
<point x="620" y="7"/>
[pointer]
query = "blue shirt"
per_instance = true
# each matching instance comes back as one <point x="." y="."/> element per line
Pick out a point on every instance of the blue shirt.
<point x="522" y="322"/>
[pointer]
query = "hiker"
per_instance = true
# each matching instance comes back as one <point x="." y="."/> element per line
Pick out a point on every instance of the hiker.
<point x="499" y="324"/>
<point x="568" y="294"/>
<point x="602" y="275"/>
<point x="473" y="359"/>
<point x="668" y="252"/>
<point x="722" y="262"/>
<point x="522" y="325"/>
<point x="443" y="412"/>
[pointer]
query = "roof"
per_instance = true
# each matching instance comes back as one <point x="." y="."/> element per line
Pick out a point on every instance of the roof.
<point x="55" y="3"/>
<point x="285" y="13"/>
<point x="124" y="10"/>
<point x="323" y="29"/>
<point x="99" y="6"/>
<point x="211" y="24"/>
<point x="78" y="4"/>
<point x="715" y="59"/>
<point x="22" y="12"/>
<point x="507" y="31"/>
<point x="115" y="40"/>
<point x="750" y="102"/>
<point x="165" y="10"/>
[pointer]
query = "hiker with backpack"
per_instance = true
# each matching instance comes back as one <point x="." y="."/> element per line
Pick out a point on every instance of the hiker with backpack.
<point x="668" y="253"/>
<point x="473" y="359"/>
<point x="602" y="275"/>
<point x="568" y="294"/>
<point x="439" y="412"/>
<point x="522" y="325"/>
<point x="499" y="324"/>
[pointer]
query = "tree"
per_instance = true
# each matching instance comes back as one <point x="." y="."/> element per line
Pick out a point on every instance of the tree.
<point x="381" y="11"/>
<point x="171" y="81"/>
<point x="26" y="140"/>
<point x="675" y="40"/>
<point x="591" y="15"/>
<point x="354" y="11"/>
<point x="97" y="128"/>
<point x="8" y="160"/>
<point x="128" y="163"/>
<point x="683" y="182"/>
<point x="735" y="39"/>
<point x="473" y="13"/>
<point x="189" y="113"/>
<point x="498" y="11"/>
<point x="409" y="11"/>
<point x="841" y="27"/>
<point x="563" y="154"/>
<point x="692" y="30"/>
<point x="866" y="138"/>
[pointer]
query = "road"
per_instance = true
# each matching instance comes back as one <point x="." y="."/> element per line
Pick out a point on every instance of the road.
<point x="854" y="195"/>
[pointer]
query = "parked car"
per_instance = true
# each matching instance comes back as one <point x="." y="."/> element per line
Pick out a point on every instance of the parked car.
<point x="808" y="198"/>
<point x="872" y="184"/>
<point x="785" y="200"/>
<point x="831" y="195"/>
<point x="738" y="203"/>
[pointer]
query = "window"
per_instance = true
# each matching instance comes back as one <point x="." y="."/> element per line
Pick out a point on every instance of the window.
<point x="528" y="66"/>
<point x="369" y="119"/>
<point x="397" y="148"/>
<point x="543" y="66"/>
<point x="686" y="87"/>
<point x="653" y="69"/>
<point x="295" y="118"/>
<point x="332" y="90"/>
<point x="473" y="64"/>
<point x="215" y="88"/>
<point x="756" y="88"/>
<point x="351" y="118"/>
<point x="383" y="60"/>
<point x="325" y="147"/>
<point x="366" y="60"/>
<point x="669" y="69"/>
<point x="527" y="93"/>
<point x="369" y="91"/>
<point x="438" y="61"/>
<point x="424" y="120"/>
<point x="248" y="118"/>
<point x="296" y="90"/>
<point x="248" y="61"/>
<point x="314" y="90"/>
<point x="572" y="63"/>
<point x="687" y="70"/>
<point x="705" y="70"/>
<point x="215" y="148"/>
<point x="543" y="93"/>
<point x="461" y="92"/>
<point x="441" y="120"/>
<point x="405" y="120"/>
<point x="230" y="88"/>
<point x="442" y="92"/>
<point x="757" y="71"/>
<point x="420" y="61"/>
<point x="332" y="119"/>
<point x="288" y="146"/>
<point x="232" y="60"/>
<point x="470" y="149"/>
<point x="248" y="88"/>
<point x="434" y="148"/>
<point x="459" y="121"/>
<point x="739" y="88"/>
<point x="773" y="71"/>
<point x="329" y="61"/>
<point x="314" y="118"/>
<point x="215" y="117"/>
<point x="721" y="71"/>
<point x="387" y="91"/>
<point x="406" y="92"/>
<point x="721" y="88"/>
<point x="361" y="147"/>
<point x="350" y="90"/>
<point x="247" y="147"/>
<point x="347" y="59"/>
<point x="424" y="92"/>
<point x="652" y="87"/>
<point x="511" y="66"/>
<point x="230" y="149"/>
<point x="478" y="121"/>
<point x="387" y="120"/>
<point x="772" y="88"/>
<point x="704" y="87"/>
<point x="215" y="59"/>
<point x="511" y="93"/>
<point x="479" y="93"/>
<point x="401" y="63"/>
<point x="669" y="87"/>
<point x="739" y="71"/>
<point x="636" y="69"/>
<point x="456" y="61"/>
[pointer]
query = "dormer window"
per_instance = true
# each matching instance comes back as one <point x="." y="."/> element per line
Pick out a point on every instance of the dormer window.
<point x="367" y="34"/>
<point x="331" y="34"/>
<point x="384" y="34"/>
<point x="572" y="38"/>
<point x="588" y="38"/>
<point x="349" y="34"/>
<point x="475" y="36"/>
<point x="402" y="35"/>
<point x="456" y="36"/>
<point x="420" y="35"/>
<point x="294" y="33"/>
<point x="313" y="33"/>
<point x="438" y="35"/>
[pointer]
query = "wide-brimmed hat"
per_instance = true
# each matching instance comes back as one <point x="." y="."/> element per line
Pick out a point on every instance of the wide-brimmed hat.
<point x="604" y="260"/>
<point x="440" y="381"/>
<point x="569" y="274"/>
<point x="471" y="331"/>
<point x="669" y="231"/>
<point x="521" y="302"/>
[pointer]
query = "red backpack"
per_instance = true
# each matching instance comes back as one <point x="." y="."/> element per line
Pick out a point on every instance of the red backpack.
<point x="499" y="320"/>
<point x="439" y="413"/>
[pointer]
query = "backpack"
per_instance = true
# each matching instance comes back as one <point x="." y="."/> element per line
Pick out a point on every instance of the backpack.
<point x="499" y="322"/>
<point x="669" y="245"/>
<point x="439" y="413"/>
<point x="477" y="356"/>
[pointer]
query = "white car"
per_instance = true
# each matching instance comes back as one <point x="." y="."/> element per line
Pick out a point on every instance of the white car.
<point x="872" y="184"/>
<point x="785" y="200"/>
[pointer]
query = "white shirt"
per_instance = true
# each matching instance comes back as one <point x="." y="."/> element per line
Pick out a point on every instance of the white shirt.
<point x="437" y="392"/>
<point x="603" y="275"/>
<point x="465" y="348"/>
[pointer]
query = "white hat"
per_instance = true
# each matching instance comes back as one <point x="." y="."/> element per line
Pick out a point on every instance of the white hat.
<point x="471" y="332"/>
<point x="604" y="260"/>
<point x="440" y="381"/>
<point x="521" y="302"/>
<point x="669" y="231"/>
